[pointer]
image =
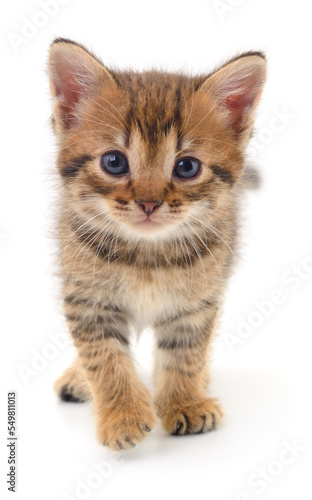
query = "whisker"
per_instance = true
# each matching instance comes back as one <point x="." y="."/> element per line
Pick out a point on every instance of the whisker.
<point x="210" y="252"/>
<point x="210" y="228"/>
<point x="82" y="225"/>
<point x="114" y="107"/>
<point x="190" y="113"/>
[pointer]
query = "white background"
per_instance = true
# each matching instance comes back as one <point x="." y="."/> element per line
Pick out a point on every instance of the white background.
<point x="264" y="381"/>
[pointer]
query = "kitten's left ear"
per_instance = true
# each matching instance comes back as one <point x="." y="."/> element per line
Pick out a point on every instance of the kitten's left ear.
<point x="236" y="89"/>
<point x="75" y="75"/>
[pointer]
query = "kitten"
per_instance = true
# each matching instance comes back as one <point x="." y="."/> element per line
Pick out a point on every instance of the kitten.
<point x="150" y="165"/>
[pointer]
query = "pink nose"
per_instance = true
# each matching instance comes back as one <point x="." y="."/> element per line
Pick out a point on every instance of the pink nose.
<point x="149" y="206"/>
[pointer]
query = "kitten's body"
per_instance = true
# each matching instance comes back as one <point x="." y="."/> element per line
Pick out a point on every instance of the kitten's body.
<point x="147" y="248"/>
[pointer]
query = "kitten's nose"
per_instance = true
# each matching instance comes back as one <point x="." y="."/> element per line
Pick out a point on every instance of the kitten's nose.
<point x="149" y="206"/>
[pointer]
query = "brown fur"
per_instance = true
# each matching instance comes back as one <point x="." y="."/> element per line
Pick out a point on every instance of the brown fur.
<point x="118" y="273"/>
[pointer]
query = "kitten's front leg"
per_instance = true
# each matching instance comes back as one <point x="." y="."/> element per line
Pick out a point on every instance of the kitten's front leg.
<point x="181" y="373"/>
<point x="122" y="405"/>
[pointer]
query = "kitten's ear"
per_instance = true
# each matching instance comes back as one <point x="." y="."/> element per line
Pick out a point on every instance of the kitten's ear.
<point x="236" y="89"/>
<point x="75" y="75"/>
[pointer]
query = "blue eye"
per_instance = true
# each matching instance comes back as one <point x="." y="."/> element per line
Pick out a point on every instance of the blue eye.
<point x="187" y="168"/>
<point x="115" y="163"/>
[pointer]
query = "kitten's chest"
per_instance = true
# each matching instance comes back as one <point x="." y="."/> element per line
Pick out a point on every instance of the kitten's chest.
<point x="154" y="295"/>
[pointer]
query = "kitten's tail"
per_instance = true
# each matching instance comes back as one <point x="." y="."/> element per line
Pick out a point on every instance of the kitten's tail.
<point x="251" y="178"/>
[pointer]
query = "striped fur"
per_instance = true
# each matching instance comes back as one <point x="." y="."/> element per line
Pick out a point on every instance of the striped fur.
<point x="123" y="269"/>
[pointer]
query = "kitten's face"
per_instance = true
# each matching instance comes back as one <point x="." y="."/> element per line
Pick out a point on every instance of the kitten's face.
<point x="147" y="155"/>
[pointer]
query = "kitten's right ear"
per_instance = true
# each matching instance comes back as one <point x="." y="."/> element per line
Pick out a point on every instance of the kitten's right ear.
<point x="74" y="75"/>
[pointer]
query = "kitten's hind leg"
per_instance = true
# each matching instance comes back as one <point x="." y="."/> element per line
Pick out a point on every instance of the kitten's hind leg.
<point x="181" y="374"/>
<point x="72" y="386"/>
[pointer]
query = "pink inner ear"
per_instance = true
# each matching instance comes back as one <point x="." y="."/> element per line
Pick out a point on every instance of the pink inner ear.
<point x="238" y="89"/>
<point x="237" y="104"/>
<point x="72" y="79"/>
<point x="70" y="91"/>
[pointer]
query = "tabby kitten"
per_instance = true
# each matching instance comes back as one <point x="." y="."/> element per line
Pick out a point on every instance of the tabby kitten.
<point x="150" y="165"/>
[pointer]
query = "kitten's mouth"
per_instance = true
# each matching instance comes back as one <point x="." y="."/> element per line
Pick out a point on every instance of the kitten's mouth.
<point x="148" y="223"/>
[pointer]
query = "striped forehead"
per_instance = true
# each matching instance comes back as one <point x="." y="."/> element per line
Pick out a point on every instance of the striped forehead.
<point x="155" y="108"/>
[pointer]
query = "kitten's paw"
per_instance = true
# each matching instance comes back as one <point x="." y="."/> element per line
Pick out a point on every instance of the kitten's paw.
<point x="71" y="386"/>
<point x="193" y="419"/>
<point x="123" y="427"/>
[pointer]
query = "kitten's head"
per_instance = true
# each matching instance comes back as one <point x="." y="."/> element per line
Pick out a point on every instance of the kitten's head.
<point x="148" y="154"/>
